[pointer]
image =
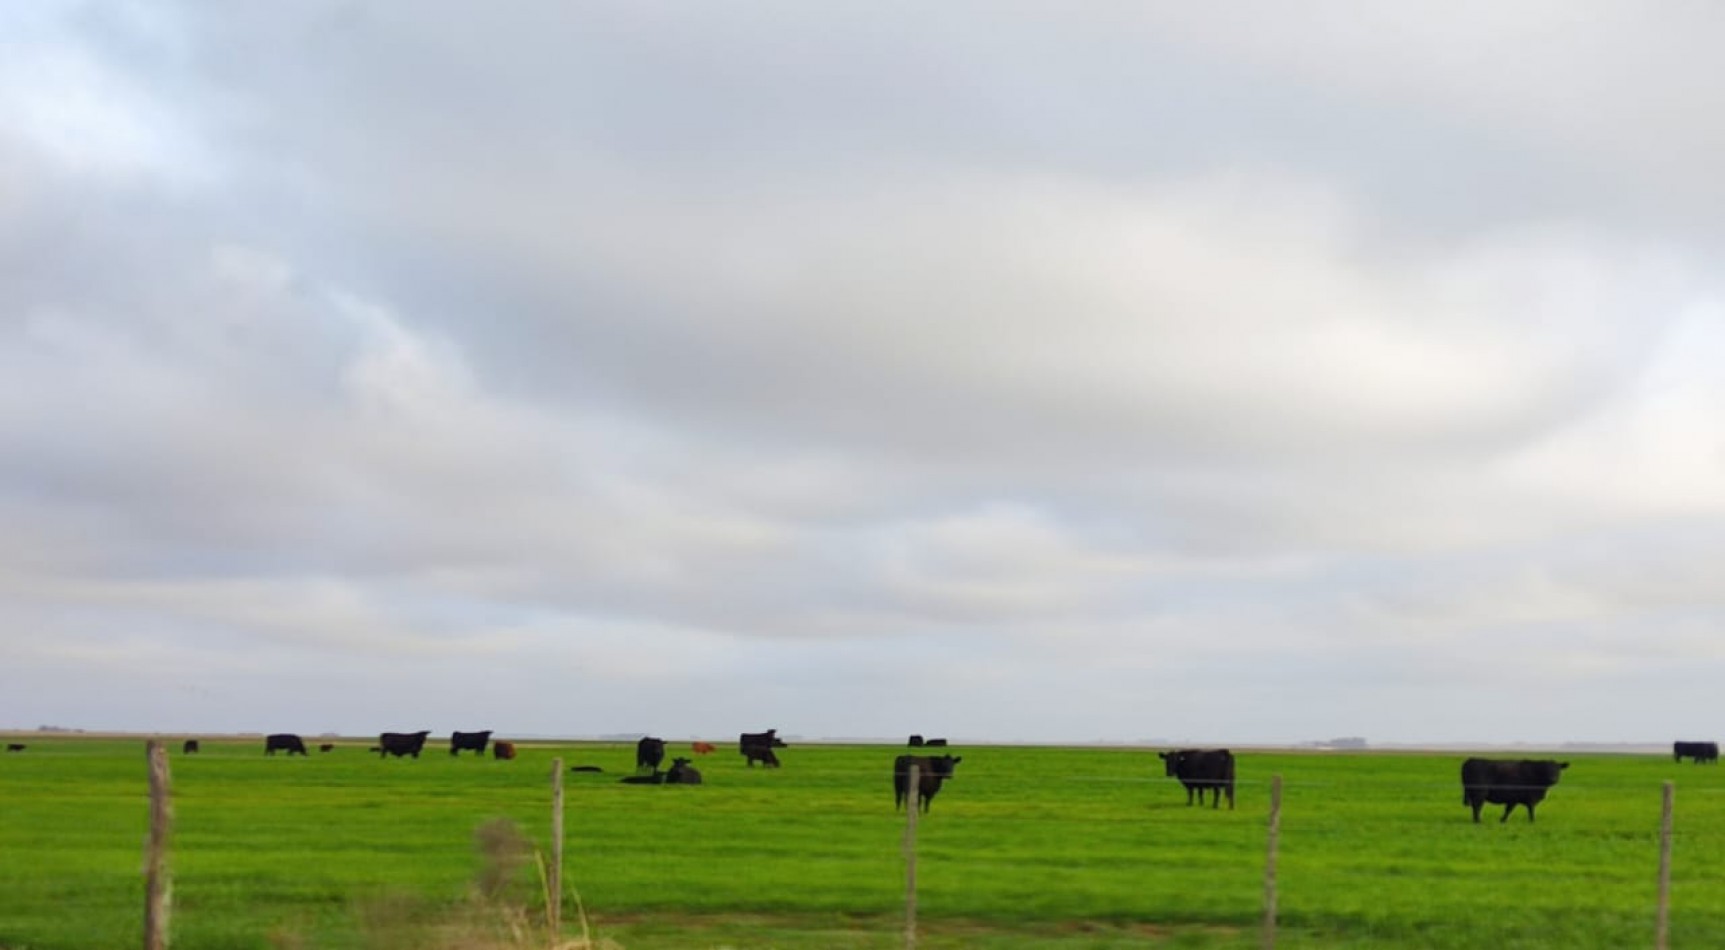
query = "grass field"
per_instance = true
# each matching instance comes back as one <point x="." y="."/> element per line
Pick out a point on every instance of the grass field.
<point x="1026" y="847"/>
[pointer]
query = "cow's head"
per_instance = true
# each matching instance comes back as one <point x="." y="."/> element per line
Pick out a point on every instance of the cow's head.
<point x="1171" y="761"/>
<point x="944" y="764"/>
<point x="1547" y="772"/>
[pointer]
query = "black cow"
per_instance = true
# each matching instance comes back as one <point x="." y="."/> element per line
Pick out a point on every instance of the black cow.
<point x="15" y="747"/>
<point x="932" y="770"/>
<point x="649" y="752"/>
<point x="759" y="746"/>
<point x="1698" y="752"/>
<point x="474" y="741"/>
<point x="1200" y="769"/>
<point x="1508" y="782"/>
<point x="190" y="748"/>
<point x="682" y="773"/>
<point x="284" y="742"/>
<point x="401" y="744"/>
<point x="936" y="743"/>
<point x="916" y="742"/>
<point x="503" y="750"/>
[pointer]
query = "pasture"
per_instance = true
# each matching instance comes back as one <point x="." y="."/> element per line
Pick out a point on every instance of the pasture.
<point x="1025" y="847"/>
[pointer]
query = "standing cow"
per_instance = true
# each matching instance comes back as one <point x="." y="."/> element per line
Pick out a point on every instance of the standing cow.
<point x="471" y="741"/>
<point x="1508" y="782"/>
<point x="931" y="771"/>
<point x="649" y="752"/>
<point x="284" y="742"/>
<point x="1698" y="752"/>
<point x="1200" y="769"/>
<point x="759" y="746"/>
<point x="190" y="748"/>
<point x="400" y="744"/>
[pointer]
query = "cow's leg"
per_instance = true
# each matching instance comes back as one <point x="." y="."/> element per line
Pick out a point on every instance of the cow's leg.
<point x="1507" y="809"/>
<point x="1476" y="804"/>
<point x="1230" y="797"/>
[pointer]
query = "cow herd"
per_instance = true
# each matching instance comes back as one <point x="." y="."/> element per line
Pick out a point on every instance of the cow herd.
<point x="1506" y="782"/>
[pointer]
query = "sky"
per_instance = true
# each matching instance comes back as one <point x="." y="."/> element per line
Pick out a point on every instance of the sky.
<point x="1054" y="372"/>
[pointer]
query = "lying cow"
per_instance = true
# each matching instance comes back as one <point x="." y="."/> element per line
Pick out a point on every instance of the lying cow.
<point x="1697" y="752"/>
<point x="503" y="750"/>
<point x="16" y="747"/>
<point x="471" y="741"/>
<point x="1508" y="782"/>
<point x="400" y="744"/>
<point x="931" y="771"/>
<point x="682" y="773"/>
<point x="759" y="746"/>
<point x="649" y="752"/>
<point x="1200" y="769"/>
<point x="284" y="742"/>
<point x="702" y="748"/>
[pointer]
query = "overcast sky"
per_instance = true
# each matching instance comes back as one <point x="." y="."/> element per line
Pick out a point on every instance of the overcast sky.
<point x="1228" y="372"/>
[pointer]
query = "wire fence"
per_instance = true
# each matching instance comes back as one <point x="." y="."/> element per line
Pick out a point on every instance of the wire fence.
<point x="1293" y="861"/>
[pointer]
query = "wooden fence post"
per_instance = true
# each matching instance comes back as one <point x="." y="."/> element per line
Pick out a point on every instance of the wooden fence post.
<point x="554" y="885"/>
<point x="1662" y="928"/>
<point x="910" y="857"/>
<point x="158" y="883"/>
<point x="1269" y="938"/>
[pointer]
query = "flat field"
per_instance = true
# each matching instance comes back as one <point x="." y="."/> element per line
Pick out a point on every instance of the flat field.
<point x="1025" y="847"/>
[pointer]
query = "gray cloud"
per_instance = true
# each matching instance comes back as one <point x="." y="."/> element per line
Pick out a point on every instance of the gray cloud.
<point x="816" y="365"/>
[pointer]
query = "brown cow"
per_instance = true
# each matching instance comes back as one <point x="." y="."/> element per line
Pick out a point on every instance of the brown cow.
<point x="703" y="748"/>
<point x="325" y="747"/>
<point x="502" y="749"/>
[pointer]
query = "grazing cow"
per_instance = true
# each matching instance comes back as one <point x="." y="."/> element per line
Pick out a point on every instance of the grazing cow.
<point x="503" y="749"/>
<point x="15" y="747"/>
<point x="401" y="744"/>
<point x="931" y="771"/>
<point x="1508" y="782"/>
<point x="936" y="743"/>
<point x="1200" y="769"/>
<point x="190" y="748"/>
<point x="326" y="747"/>
<point x="916" y="742"/>
<point x="702" y="748"/>
<point x="682" y="773"/>
<point x="649" y="752"/>
<point x="284" y="742"/>
<point x="759" y="746"/>
<point x="469" y="740"/>
<point x="1698" y="752"/>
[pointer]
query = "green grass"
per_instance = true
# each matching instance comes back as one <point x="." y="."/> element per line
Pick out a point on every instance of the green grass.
<point x="1026" y="847"/>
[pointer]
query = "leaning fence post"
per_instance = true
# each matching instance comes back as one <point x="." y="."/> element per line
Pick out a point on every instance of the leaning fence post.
<point x="1661" y="930"/>
<point x="158" y="883"/>
<point x="1270" y="862"/>
<point x="554" y="877"/>
<point x="910" y="801"/>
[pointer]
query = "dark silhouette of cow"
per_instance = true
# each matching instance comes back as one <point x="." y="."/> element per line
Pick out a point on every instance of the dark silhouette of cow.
<point x="472" y="741"/>
<point x="1697" y="752"/>
<point x="703" y="748"/>
<point x="190" y="748"/>
<point x="931" y="771"/>
<point x="649" y="752"/>
<point x="1201" y="769"/>
<point x="1508" y="782"/>
<point x="936" y="743"/>
<point x="915" y="742"/>
<point x="284" y="742"/>
<point x="401" y="744"/>
<point x="326" y="747"/>
<point x="16" y="747"/>
<point x="682" y="773"/>
<point x="503" y="749"/>
<point x="759" y="746"/>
